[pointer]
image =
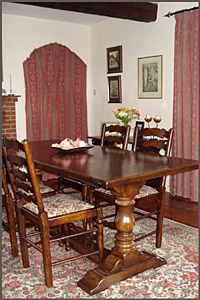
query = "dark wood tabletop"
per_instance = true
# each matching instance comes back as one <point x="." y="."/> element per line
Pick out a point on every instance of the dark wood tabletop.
<point x="124" y="173"/>
<point x="106" y="167"/>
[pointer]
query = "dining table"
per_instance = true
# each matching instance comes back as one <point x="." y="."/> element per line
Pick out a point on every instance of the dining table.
<point x="123" y="173"/>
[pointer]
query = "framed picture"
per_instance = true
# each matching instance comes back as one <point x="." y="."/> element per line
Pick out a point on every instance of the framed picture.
<point x="114" y="89"/>
<point x="140" y="125"/>
<point x="150" y="77"/>
<point x="114" y="59"/>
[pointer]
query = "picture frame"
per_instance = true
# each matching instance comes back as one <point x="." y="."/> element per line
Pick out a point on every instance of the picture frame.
<point x="114" y="59"/>
<point x="140" y="125"/>
<point x="150" y="77"/>
<point x="114" y="89"/>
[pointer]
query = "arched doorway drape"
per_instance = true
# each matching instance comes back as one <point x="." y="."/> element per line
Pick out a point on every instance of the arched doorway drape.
<point x="56" y="107"/>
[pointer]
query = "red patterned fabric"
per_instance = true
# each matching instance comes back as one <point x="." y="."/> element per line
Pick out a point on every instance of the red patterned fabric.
<point x="56" y="105"/>
<point x="185" y="117"/>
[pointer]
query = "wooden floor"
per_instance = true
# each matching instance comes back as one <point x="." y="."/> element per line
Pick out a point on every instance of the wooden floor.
<point x="180" y="210"/>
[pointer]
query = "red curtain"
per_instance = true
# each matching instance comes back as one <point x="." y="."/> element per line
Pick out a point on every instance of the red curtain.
<point x="56" y="106"/>
<point x="185" y="107"/>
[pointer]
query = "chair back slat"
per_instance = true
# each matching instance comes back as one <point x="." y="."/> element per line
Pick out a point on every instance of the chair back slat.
<point x="16" y="160"/>
<point x="120" y="138"/>
<point x="150" y="144"/>
<point x="17" y="173"/>
<point x="24" y="186"/>
<point x="116" y="128"/>
<point x="115" y="139"/>
<point x="12" y="144"/>
<point x="158" y="132"/>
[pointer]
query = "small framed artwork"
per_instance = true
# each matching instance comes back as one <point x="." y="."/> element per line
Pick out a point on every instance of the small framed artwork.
<point x="114" y="89"/>
<point x="114" y="59"/>
<point x="140" y="125"/>
<point x="150" y="77"/>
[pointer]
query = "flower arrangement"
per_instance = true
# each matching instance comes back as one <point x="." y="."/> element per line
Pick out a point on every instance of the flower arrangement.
<point x="126" y="115"/>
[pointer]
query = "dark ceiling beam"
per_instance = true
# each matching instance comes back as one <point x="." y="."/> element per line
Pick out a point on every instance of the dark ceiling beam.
<point x="135" y="11"/>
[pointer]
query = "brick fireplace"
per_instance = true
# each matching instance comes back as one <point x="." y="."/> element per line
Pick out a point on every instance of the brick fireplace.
<point x="9" y="116"/>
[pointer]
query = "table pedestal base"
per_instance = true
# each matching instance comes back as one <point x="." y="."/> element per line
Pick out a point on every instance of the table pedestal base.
<point x="113" y="271"/>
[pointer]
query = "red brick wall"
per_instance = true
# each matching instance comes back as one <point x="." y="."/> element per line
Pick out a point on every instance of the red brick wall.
<point x="9" y="116"/>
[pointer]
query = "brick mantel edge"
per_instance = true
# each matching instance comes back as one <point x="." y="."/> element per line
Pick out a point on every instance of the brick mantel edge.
<point x="9" y="116"/>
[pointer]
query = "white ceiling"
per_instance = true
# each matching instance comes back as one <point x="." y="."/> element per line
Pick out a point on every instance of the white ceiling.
<point x="50" y="14"/>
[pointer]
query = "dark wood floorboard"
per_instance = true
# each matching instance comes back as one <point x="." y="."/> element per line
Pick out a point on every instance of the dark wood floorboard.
<point x="176" y="208"/>
<point x="180" y="210"/>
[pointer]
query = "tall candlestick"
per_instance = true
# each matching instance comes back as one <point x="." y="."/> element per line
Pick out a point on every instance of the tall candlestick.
<point x="10" y="84"/>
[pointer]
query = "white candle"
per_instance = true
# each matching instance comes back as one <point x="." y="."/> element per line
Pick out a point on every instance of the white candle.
<point x="158" y="118"/>
<point x="10" y="84"/>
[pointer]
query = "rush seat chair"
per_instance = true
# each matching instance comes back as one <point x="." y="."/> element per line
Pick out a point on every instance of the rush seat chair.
<point x="154" y="141"/>
<point x="118" y="136"/>
<point x="56" y="211"/>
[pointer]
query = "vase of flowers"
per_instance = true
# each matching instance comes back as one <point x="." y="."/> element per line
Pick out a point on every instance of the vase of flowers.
<point x="126" y="115"/>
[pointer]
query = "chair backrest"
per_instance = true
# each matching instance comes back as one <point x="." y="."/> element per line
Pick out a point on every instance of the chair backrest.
<point x="22" y="171"/>
<point x="118" y="135"/>
<point x="156" y="141"/>
<point x="153" y="140"/>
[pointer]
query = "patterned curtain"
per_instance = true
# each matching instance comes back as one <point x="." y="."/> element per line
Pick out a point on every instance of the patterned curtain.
<point x="56" y="106"/>
<point x="185" y="107"/>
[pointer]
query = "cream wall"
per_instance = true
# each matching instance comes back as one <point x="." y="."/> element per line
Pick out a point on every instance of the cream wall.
<point x="138" y="40"/>
<point x="20" y="36"/>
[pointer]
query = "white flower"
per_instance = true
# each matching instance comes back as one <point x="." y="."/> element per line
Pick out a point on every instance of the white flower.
<point x="122" y="114"/>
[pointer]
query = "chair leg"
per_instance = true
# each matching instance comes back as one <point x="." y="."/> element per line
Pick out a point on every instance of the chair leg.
<point x="22" y="234"/>
<point x="90" y="198"/>
<point x="90" y="195"/>
<point x="84" y="198"/>
<point x="160" y="219"/>
<point x="84" y="192"/>
<point x="66" y="232"/>
<point x="12" y="225"/>
<point x="44" y="226"/>
<point x="100" y="235"/>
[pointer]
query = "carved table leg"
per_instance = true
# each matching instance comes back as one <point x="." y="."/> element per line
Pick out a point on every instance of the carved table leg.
<point x="125" y="260"/>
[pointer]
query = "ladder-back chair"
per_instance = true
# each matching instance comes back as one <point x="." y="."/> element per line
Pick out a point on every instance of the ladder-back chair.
<point x="119" y="138"/>
<point x="153" y="141"/>
<point x="49" y="213"/>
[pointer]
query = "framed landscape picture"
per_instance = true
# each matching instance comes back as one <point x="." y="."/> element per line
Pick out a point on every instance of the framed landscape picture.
<point x="150" y="77"/>
<point x="114" y="89"/>
<point x="140" y="125"/>
<point x="114" y="59"/>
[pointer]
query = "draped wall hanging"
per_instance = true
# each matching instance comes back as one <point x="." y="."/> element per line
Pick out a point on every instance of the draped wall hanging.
<point x="185" y="109"/>
<point x="56" y="107"/>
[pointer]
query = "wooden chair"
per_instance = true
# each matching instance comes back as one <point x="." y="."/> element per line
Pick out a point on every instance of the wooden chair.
<point x="48" y="213"/>
<point x="119" y="138"/>
<point x="154" y="141"/>
<point x="10" y="224"/>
